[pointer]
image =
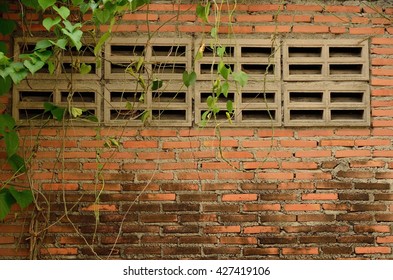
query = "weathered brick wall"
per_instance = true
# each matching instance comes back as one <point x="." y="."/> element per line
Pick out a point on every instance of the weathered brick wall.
<point x="288" y="193"/>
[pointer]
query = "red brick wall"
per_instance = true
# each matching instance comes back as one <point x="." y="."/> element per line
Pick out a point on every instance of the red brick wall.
<point x="291" y="193"/>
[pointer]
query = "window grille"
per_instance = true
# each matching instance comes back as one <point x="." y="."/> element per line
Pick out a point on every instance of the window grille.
<point x="308" y="83"/>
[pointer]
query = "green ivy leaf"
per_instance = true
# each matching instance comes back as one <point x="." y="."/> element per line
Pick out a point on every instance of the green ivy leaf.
<point x="11" y="140"/>
<point x="5" y="85"/>
<point x="46" y="3"/>
<point x="101" y="42"/>
<point x="229" y="106"/>
<point x="43" y="55"/>
<point x="31" y="3"/>
<point x="23" y="198"/>
<point x="221" y="51"/>
<point x="135" y="4"/>
<point x="43" y="44"/>
<point x="210" y="101"/>
<point x="3" y="47"/>
<point x="63" y="11"/>
<point x="240" y="77"/>
<point x="224" y="70"/>
<point x="103" y="16"/>
<point x="203" y="12"/>
<point x="77" y="2"/>
<point x="214" y="33"/>
<point x="17" y="72"/>
<point x="33" y="67"/>
<point x="145" y="116"/>
<point x="48" y="23"/>
<point x="75" y="37"/>
<point x="7" y="123"/>
<point x="56" y="111"/>
<point x="76" y="112"/>
<point x="225" y="89"/>
<point x="7" y="26"/>
<point x="61" y="43"/>
<point x="189" y="78"/>
<point x="157" y="84"/>
<point x="6" y="201"/>
<point x="17" y="163"/>
<point x="84" y="68"/>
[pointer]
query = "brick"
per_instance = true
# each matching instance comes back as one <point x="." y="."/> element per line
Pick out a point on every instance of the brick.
<point x="353" y="196"/>
<point x="355" y="239"/>
<point x="316" y="218"/>
<point x="382" y="51"/>
<point x="219" y="186"/>
<point x="181" y="250"/>
<point x="157" y="197"/>
<point x="100" y="207"/>
<point x="352" y="132"/>
<point x="293" y="18"/>
<point x="180" y="144"/>
<point x="259" y="143"/>
<point x="140" y="144"/>
<point x="261" y="229"/>
<point x="178" y="207"/>
<point x="275" y="133"/>
<point x="145" y="250"/>
<point x="355" y="217"/>
<point x="382" y="41"/>
<point x="338" y="29"/>
<point x="299" y="165"/>
<point x="238" y="240"/>
<point x="158" y="132"/>
<point x="261" y="251"/>
<point x="238" y="218"/>
<point x="221" y="143"/>
<point x="59" y="251"/>
<point x="337" y="250"/>
<point x="367" y="208"/>
<point x="221" y="208"/>
<point x="369" y="163"/>
<point x="155" y="176"/>
<point x="373" y="142"/>
<point x="155" y="155"/>
<point x="313" y="175"/>
<point x="373" y="250"/>
<point x="384" y="197"/>
<point x="295" y="186"/>
<point x="195" y="175"/>
<point x="302" y="207"/>
<point x="198" y="240"/>
<point x="221" y="250"/>
<point x="315" y="132"/>
<point x="384" y="217"/>
<point x="298" y="143"/>
<point x="371" y="228"/>
<point x="343" y="9"/>
<point x="366" y="30"/>
<point x="178" y="165"/>
<point x="265" y="7"/>
<point x="310" y="29"/>
<point x="320" y="196"/>
<point x="372" y="186"/>
<point x="221" y="229"/>
<point x="260" y="165"/>
<point x="300" y="251"/>
<point x="261" y="207"/>
<point x="303" y="8"/>
<point x="331" y="19"/>
<point x="236" y="132"/>
<point x="198" y="197"/>
<point x="236" y="175"/>
<point x="385" y="239"/>
<point x="220" y="165"/>
<point x="276" y="175"/>
<point x="278" y="196"/>
<point x="258" y="186"/>
<point x="277" y="218"/>
<point x="120" y="240"/>
<point x="254" y="18"/>
<point x="355" y="174"/>
<point x="158" y="218"/>
<point x="239" y="197"/>
<point x="317" y="239"/>
<point x="352" y="153"/>
<point x="313" y="154"/>
<point x="335" y="207"/>
<point x="277" y="240"/>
